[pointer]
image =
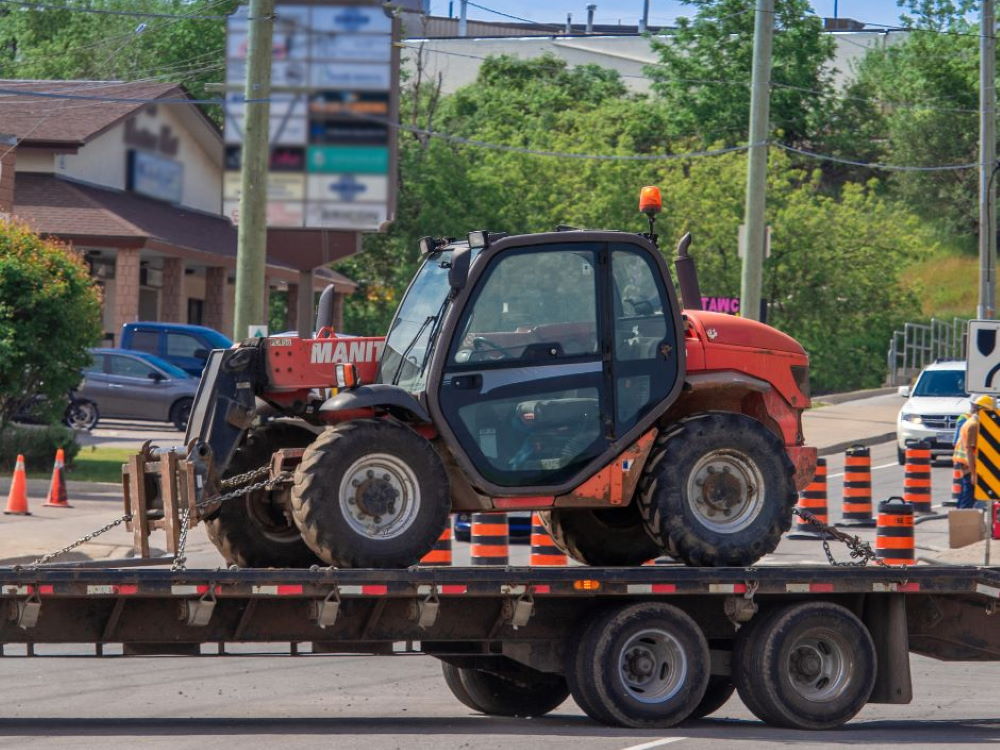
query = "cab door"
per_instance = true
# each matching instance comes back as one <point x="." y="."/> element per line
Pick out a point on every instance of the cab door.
<point x="541" y="355"/>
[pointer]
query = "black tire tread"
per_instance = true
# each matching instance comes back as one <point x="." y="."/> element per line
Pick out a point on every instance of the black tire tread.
<point x="610" y="546"/>
<point x="453" y="679"/>
<point x="720" y="689"/>
<point x="677" y="540"/>
<point x="524" y="692"/>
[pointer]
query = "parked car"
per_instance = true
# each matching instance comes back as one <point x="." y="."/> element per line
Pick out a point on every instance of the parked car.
<point x="182" y="345"/>
<point x="127" y="384"/>
<point x="932" y="409"/>
<point x="518" y="527"/>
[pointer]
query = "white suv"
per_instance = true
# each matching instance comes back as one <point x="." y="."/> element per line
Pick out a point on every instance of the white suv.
<point x="933" y="406"/>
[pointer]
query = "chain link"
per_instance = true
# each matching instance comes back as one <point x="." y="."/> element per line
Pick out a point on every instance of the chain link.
<point x="860" y="551"/>
<point x="233" y="484"/>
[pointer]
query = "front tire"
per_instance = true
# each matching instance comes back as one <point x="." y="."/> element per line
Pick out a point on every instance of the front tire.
<point x="601" y="537"/>
<point x="180" y="412"/>
<point x="254" y="531"/>
<point x="81" y="414"/>
<point x="718" y="491"/>
<point x="805" y="666"/>
<point x="371" y="494"/>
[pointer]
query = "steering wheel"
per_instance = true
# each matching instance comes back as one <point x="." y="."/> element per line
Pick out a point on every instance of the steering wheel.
<point x="481" y="343"/>
<point x="640" y="305"/>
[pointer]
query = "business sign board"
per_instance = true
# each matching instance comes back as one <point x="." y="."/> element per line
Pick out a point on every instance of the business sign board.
<point x="335" y="79"/>
<point x="155" y="176"/>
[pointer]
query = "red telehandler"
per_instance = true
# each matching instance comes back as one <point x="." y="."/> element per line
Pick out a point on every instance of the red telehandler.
<point x="553" y="372"/>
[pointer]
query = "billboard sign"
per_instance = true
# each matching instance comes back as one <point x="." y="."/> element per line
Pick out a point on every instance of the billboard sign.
<point x="335" y="80"/>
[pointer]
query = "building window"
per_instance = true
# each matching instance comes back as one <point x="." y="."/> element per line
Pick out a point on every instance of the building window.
<point x="196" y="309"/>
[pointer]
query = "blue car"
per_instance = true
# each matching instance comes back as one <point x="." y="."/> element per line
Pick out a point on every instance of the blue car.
<point x="518" y="527"/>
<point x="184" y="346"/>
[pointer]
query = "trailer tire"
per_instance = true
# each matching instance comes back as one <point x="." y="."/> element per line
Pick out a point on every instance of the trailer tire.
<point x="644" y="665"/>
<point x="520" y="691"/>
<point x="371" y="494"/>
<point x="805" y="666"/>
<point x="720" y="689"/>
<point x="251" y="531"/>
<point x="718" y="490"/>
<point x="601" y="537"/>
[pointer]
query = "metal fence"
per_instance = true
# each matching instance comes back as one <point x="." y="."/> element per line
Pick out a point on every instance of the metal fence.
<point x="919" y="344"/>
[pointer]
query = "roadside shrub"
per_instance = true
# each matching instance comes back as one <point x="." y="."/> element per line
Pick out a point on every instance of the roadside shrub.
<point x="38" y="443"/>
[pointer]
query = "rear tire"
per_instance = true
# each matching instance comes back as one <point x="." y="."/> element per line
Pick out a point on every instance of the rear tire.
<point x="720" y="689"/>
<point x="805" y="666"/>
<point x="518" y="691"/>
<point x="644" y="665"/>
<point x="601" y="537"/>
<point x="254" y="531"/>
<point x="371" y="494"/>
<point x="180" y="412"/>
<point x="81" y="414"/>
<point x="718" y="491"/>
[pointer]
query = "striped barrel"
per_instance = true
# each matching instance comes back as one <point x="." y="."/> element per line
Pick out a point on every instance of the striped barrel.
<point x="894" y="541"/>
<point x="917" y="478"/>
<point x="812" y="499"/>
<point x="956" y="487"/>
<point x="440" y="553"/>
<point x="543" y="550"/>
<point x="489" y="539"/>
<point x="856" y="506"/>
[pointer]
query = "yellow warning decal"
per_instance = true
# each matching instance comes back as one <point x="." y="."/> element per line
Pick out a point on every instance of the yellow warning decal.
<point x="988" y="456"/>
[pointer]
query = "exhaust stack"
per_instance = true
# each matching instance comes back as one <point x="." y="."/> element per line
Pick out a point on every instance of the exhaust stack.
<point x="687" y="275"/>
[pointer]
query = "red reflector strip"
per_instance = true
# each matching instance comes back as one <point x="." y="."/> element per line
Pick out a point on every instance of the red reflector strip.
<point x="455" y="589"/>
<point x="375" y="589"/>
<point x="821" y="588"/>
<point x="282" y="590"/>
<point x="908" y="587"/>
<point x="46" y="590"/>
<point x="727" y="588"/>
<point x="664" y="588"/>
<point x="542" y="589"/>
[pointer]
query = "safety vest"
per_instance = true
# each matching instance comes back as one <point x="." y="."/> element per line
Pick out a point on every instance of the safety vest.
<point x="965" y="446"/>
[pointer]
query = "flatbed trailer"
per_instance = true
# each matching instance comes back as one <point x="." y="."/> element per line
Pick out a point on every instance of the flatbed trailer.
<point x="806" y="646"/>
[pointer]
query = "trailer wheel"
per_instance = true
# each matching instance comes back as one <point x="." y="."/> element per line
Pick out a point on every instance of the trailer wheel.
<point x="718" y="491"/>
<point x="645" y="665"/>
<point x="613" y="536"/>
<point x="370" y="494"/>
<point x="720" y="689"/>
<point x="806" y="666"/>
<point x="515" y="692"/>
<point x="254" y="531"/>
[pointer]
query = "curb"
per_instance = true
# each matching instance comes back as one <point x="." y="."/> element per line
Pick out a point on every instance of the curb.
<point x="839" y="398"/>
<point x="864" y="442"/>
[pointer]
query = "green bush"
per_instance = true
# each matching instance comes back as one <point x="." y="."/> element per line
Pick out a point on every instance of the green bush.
<point x="38" y="444"/>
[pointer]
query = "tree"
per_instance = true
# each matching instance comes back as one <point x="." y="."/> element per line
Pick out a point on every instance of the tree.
<point x="703" y="73"/>
<point x="50" y="313"/>
<point x="187" y="46"/>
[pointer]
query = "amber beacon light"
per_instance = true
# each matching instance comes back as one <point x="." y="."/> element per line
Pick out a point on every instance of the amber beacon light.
<point x="650" y="201"/>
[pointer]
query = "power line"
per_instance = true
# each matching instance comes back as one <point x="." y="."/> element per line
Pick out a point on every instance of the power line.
<point x="874" y="165"/>
<point x="109" y="12"/>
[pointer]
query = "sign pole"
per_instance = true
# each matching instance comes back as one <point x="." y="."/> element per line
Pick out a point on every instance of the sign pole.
<point x="987" y="162"/>
<point x="251" y="243"/>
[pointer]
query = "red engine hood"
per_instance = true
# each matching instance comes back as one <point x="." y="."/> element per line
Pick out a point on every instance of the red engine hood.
<point x="719" y="328"/>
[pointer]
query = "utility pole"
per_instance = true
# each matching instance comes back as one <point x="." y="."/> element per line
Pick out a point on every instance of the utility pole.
<point x="752" y="275"/>
<point x="987" y="160"/>
<point x="644" y="26"/>
<point x="251" y="243"/>
<point x="463" y="24"/>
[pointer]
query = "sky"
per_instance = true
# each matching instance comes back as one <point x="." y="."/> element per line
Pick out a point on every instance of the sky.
<point x="662" y="12"/>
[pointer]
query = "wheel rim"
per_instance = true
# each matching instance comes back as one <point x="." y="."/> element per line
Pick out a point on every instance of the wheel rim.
<point x="269" y="517"/>
<point x="81" y="416"/>
<point x="820" y="664"/>
<point x="652" y="666"/>
<point x="725" y="490"/>
<point x="379" y="496"/>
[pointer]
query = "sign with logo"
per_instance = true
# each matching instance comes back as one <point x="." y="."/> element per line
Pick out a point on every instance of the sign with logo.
<point x="982" y="368"/>
<point x="256" y="332"/>
<point x="729" y="305"/>
<point x="335" y="75"/>
<point x="155" y="176"/>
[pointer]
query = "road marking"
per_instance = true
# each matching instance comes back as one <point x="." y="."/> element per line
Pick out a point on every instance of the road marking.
<point x="655" y="743"/>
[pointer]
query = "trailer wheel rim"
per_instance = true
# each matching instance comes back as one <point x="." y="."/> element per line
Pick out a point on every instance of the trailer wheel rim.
<point x="725" y="491"/>
<point x="379" y="496"/>
<point x="820" y="665"/>
<point x="652" y="666"/>
<point x="269" y="517"/>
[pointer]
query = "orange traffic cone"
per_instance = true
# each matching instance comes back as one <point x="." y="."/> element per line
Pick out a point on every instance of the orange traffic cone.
<point x="57" y="487"/>
<point x="17" y="500"/>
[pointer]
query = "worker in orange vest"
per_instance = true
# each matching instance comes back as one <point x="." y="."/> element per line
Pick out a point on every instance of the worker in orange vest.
<point x="964" y="456"/>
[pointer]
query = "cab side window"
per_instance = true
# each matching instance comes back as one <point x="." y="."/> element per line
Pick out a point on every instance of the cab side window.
<point x="146" y="341"/>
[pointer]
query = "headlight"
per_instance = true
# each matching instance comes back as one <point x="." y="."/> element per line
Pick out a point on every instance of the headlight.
<point x="912" y="418"/>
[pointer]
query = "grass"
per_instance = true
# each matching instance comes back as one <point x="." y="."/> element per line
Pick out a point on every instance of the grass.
<point x="947" y="285"/>
<point x="99" y="464"/>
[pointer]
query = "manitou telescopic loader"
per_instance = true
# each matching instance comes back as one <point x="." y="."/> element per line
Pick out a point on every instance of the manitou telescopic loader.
<point x="553" y="372"/>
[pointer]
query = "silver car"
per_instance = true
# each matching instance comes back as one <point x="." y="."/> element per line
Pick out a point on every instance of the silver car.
<point x="126" y="384"/>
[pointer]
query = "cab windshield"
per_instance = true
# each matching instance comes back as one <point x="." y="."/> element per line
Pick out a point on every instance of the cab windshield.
<point x="941" y="383"/>
<point x="406" y="354"/>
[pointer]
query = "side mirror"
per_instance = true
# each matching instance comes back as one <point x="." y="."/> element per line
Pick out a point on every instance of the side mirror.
<point x="157" y="377"/>
<point x="904" y="391"/>
<point x="201" y="354"/>
<point x="458" y="274"/>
